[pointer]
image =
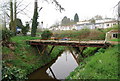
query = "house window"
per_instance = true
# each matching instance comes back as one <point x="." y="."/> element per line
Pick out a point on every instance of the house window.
<point x="114" y="35"/>
<point x="107" y="24"/>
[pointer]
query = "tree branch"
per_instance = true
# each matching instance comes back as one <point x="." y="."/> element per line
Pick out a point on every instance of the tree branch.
<point x="23" y="8"/>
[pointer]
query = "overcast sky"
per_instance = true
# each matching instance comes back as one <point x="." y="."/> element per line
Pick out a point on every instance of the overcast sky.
<point x="86" y="9"/>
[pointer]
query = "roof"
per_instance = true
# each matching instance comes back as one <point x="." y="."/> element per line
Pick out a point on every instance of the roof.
<point x="115" y="31"/>
<point x="110" y="21"/>
<point x="84" y="24"/>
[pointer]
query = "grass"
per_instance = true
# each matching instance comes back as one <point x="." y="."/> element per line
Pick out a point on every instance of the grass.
<point x="21" y="39"/>
<point x="26" y="57"/>
<point x="116" y="40"/>
<point x="102" y="65"/>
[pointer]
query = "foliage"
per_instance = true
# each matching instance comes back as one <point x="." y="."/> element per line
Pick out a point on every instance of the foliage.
<point x="67" y="21"/>
<point x="34" y="21"/>
<point x="84" y="34"/>
<point x="102" y="65"/>
<point x="76" y="18"/>
<point x="46" y="34"/>
<point x="25" y="29"/>
<point x="6" y="35"/>
<point x="12" y="73"/>
<point x="19" y="23"/>
<point x="89" y="51"/>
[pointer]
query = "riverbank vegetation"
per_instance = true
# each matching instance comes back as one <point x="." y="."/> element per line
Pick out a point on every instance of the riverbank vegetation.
<point x="102" y="65"/>
<point x="24" y="59"/>
<point x="84" y="34"/>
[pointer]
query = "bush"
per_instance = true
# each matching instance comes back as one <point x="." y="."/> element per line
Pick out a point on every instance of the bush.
<point x="46" y="34"/>
<point x="12" y="73"/>
<point x="25" y="29"/>
<point x="6" y="35"/>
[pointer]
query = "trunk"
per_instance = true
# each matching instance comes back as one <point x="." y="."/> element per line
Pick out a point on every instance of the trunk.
<point x="15" y="16"/>
<point x="34" y="21"/>
<point x="11" y="15"/>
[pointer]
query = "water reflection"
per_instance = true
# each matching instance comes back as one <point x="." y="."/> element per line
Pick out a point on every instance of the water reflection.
<point x="63" y="65"/>
<point x="58" y="69"/>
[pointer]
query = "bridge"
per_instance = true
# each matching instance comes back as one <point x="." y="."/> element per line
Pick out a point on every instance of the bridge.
<point x="97" y="43"/>
<point x="76" y="44"/>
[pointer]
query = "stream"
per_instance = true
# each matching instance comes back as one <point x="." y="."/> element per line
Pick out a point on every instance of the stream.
<point x="59" y="68"/>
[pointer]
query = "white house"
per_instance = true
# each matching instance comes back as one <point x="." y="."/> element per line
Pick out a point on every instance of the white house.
<point x="105" y="24"/>
<point x="70" y="27"/>
<point x="85" y="26"/>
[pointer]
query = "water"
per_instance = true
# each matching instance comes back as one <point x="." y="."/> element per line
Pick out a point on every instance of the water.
<point x="59" y="68"/>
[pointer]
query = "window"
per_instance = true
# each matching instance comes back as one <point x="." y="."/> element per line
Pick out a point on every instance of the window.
<point x="107" y="24"/>
<point x="114" y="35"/>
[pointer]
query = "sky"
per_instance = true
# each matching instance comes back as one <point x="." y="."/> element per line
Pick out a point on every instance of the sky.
<point x="85" y="9"/>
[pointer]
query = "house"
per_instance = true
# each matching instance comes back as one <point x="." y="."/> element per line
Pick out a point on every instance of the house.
<point x="85" y="26"/>
<point x="69" y="27"/>
<point x="113" y="34"/>
<point x="105" y="23"/>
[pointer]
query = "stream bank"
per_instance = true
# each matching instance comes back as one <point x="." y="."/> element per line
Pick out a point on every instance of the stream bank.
<point x="24" y="59"/>
<point x="102" y="65"/>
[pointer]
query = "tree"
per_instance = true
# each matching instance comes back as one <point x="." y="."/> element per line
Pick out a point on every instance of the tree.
<point x="35" y="16"/>
<point x="25" y="29"/>
<point x="98" y="17"/>
<point x="46" y="34"/>
<point x="34" y="21"/>
<point x="11" y="15"/>
<point x="76" y="18"/>
<point x="19" y="23"/>
<point x="92" y="20"/>
<point x="65" y="21"/>
<point x="13" y="18"/>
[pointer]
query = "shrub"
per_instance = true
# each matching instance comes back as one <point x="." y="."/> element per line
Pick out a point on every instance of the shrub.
<point x="6" y="35"/>
<point x="25" y="29"/>
<point x="12" y="73"/>
<point x="46" y="34"/>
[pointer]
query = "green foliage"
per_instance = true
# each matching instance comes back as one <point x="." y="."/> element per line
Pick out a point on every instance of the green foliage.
<point x="5" y="50"/>
<point x="25" y="29"/>
<point x="89" y="51"/>
<point x="34" y="21"/>
<point x="76" y="18"/>
<point x="103" y="65"/>
<point x="46" y="34"/>
<point x="19" y="23"/>
<point x="12" y="73"/>
<point x="6" y="35"/>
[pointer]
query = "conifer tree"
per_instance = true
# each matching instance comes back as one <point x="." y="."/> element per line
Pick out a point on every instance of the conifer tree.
<point x="76" y="18"/>
<point x="34" y="21"/>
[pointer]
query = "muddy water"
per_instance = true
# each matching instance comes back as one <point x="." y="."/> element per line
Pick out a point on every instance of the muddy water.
<point x="58" y="68"/>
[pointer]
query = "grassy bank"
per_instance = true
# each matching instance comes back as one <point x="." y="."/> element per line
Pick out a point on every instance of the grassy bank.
<point x="24" y="58"/>
<point x="84" y="34"/>
<point x="116" y="40"/>
<point x="102" y="65"/>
